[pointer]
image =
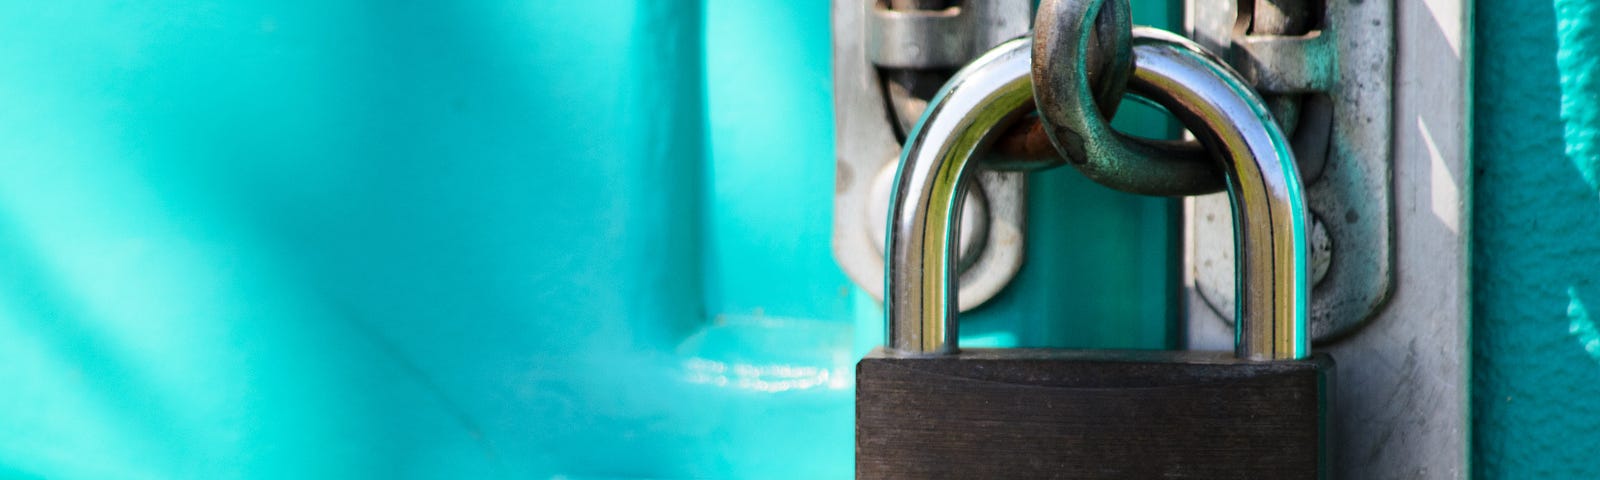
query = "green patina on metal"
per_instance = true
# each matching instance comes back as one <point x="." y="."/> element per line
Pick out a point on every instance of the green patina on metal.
<point x="1537" y="239"/>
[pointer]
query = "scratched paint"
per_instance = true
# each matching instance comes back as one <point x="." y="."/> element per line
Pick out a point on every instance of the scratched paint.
<point x="1578" y="59"/>
<point x="1581" y="325"/>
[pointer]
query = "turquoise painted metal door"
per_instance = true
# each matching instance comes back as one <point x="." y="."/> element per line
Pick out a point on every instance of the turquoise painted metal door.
<point x="1536" y="353"/>
<point x="478" y="239"/>
<point x="377" y="240"/>
<point x="490" y="239"/>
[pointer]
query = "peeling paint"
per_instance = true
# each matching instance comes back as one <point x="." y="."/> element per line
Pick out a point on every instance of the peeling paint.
<point x="1582" y="325"/>
<point x="1536" y="256"/>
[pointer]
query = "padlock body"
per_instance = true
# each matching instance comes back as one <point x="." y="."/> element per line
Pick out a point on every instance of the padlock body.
<point x="1038" y="413"/>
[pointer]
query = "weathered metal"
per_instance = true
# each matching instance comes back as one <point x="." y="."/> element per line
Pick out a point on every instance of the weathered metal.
<point x="875" y="104"/>
<point x="1344" y="64"/>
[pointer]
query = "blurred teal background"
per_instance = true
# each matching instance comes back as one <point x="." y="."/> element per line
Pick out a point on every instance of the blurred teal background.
<point x="475" y="239"/>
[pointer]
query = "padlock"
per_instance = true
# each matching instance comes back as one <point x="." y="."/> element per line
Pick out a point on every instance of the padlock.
<point x="928" y="409"/>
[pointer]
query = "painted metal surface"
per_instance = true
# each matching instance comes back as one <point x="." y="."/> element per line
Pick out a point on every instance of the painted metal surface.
<point x="349" y="240"/>
<point x="1537" y="248"/>
<point x="257" y="239"/>
<point x="482" y="239"/>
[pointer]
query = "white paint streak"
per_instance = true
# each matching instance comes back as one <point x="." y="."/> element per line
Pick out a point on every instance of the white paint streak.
<point x="1446" y="195"/>
<point x="1446" y="14"/>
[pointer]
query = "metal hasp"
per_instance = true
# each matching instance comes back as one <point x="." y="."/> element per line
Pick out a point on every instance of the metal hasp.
<point x="1346" y="63"/>
<point x="873" y="46"/>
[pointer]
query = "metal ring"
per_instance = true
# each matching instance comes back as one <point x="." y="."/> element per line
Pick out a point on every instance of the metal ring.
<point x="1063" y="50"/>
<point x="1025" y="146"/>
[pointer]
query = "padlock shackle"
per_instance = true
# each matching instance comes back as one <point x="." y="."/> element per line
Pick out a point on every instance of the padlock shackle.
<point x="1270" y="225"/>
<point x="1230" y="119"/>
<point x="930" y="184"/>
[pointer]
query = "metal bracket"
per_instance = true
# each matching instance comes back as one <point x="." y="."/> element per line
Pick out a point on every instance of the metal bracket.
<point x="868" y="40"/>
<point x="1350" y="60"/>
<point x="946" y="38"/>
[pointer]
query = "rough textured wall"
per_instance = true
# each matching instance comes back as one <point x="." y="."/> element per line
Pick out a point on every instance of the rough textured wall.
<point x="1537" y="252"/>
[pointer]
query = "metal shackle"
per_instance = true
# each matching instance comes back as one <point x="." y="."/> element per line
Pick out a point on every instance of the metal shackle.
<point x="1270" y="227"/>
<point x="930" y="183"/>
<point x="1070" y="40"/>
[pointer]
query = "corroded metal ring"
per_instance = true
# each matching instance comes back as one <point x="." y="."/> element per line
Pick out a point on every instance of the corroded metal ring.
<point x="1026" y="146"/>
<point x="1067" y="53"/>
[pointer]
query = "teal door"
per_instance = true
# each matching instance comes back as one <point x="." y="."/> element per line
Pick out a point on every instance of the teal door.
<point x="1536" y="349"/>
<point x="498" y="239"/>
<point x="481" y="239"/>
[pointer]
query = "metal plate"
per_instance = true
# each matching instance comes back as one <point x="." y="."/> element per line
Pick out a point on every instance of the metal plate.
<point x="1352" y="60"/>
<point x="865" y="142"/>
<point x="1405" y="375"/>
